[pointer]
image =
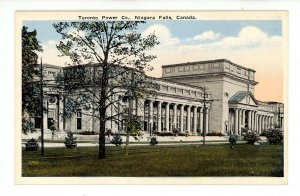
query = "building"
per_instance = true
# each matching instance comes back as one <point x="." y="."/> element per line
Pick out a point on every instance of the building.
<point x="224" y="88"/>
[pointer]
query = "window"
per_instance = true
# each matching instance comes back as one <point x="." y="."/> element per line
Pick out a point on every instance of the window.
<point x="168" y="70"/>
<point x="37" y="122"/>
<point x="79" y="118"/>
<point x="195" y="67"/>
<point x="51" y="73"/>
<point x="50" y="120"/>
<point x="216" y="66"/>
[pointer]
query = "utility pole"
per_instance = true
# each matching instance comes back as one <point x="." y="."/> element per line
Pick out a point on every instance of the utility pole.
<point x="204" y="116"/>
<point x="42" y="110"/>
<point x="279" y="120"/>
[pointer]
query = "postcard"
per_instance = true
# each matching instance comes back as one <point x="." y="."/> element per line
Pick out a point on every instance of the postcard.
<point x="151" y="97"/>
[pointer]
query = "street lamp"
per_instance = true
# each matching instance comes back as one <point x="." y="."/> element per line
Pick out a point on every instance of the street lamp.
<point x="205" y="101"/>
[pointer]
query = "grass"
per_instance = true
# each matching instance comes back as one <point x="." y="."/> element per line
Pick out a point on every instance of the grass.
<point x="218" y="160"/>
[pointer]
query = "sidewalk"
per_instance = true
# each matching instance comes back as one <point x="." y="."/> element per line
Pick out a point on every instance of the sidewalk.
<point x="92" y="140"/>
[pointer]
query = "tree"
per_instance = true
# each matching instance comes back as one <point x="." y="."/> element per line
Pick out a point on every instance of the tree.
<point x="30" y="89"/>
<point x="105" y="54"/>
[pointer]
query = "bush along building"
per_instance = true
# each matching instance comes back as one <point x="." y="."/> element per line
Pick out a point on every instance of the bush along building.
<point x="222" y="88"/>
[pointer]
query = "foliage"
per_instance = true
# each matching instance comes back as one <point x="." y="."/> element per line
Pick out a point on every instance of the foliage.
<point x="274" y="136"/>
<point x="153" y="141"/>
<point x="251" y="137"/>
<point x="108" y="56"/>
<point x="30" y="89"/>
<point x="214" y="133"/>
<point x="232" y="139"/>
<point x="70" y="140"/>
<point x="31" y="145"/>
<point x="164" y="134"/>
<point x="176" y="131"/>
<point x="244" y="131"/>
<point x="117" y="140"/>
<point x="53" y="128"/>
<point x="108" y="132"/>
<point x="133" y="127"/>
<point x="27" y="126"/>
<point x="87" y="133"/>
<point x="181" y="134"/>
<point x="199" y="131"/>
<point x="186" y="133"/>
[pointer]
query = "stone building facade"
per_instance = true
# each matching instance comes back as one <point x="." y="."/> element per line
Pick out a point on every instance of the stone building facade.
<point x="227" y="89"/>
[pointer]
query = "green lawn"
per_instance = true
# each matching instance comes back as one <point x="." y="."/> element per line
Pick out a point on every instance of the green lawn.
<point x="218" y="160"/>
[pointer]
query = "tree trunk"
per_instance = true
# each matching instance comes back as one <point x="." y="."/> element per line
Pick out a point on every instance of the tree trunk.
<point x="102" y="113"/>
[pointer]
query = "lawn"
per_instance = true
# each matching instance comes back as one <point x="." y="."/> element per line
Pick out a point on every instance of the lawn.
<point x="217" y="160"/>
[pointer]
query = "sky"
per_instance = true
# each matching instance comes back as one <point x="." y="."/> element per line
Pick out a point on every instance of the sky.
<point x="256" y="44"/>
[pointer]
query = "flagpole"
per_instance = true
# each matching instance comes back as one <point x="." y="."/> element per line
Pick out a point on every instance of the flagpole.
<point x="42" y="109"/>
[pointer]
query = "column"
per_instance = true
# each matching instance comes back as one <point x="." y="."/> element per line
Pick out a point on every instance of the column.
<point x="189" y="118"/>
<point x="272" y="122"/>
<point x="240" y="121"/>
<point x="207" y="112"/>
<point x="150" y="117"/>
<point x="140" y="108"/>
<point x="60" y="110"/>
<point x="45" y="115"/>
<point x="167" y="116"/>
<point x="236" y="121"/>
<point x="258" y="123"/>
<point x="244" y="118"/>
<point x="253" y="120"/>
<point x="249" y="119"/>
<point x="263" y="123"/>
<point x="174" y="116"/>
<point x="201" y="119"/>
<point x="195" y="120"/>
<point x="159" y="116"/>
<point x="140" y="104"/>
<point x="134" y="107"/>
<point x="181" y="117"/>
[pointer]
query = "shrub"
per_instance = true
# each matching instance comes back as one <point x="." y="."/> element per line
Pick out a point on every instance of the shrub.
<point x="87" y="133"/>
<point x="70" y="140"/>
<point x="164" y="134"/>
<point x="244" y="131"/>
<point x="108" y="132"/>
<point x="153" y="141"/>
<point x="199" y="132"/>
<point x="274" y="136"/>
<point x="31" y="145"/>
<point x="232" y="139"/>
<point x="27" y="126"/>
<point x="214" y="133"/>
<point x="53" y="128"/>
<point x="117" y="140"/>
<point x="181" y="134"/>
<point x="176" y="131"/>
<point x="251" y="137"/>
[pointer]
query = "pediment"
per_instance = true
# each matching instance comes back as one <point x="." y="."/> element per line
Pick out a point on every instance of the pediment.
<point x="243" y="97"/>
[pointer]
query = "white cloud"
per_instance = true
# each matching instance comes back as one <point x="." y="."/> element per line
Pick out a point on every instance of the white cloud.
<point x="50" y="54"/>
<point x="207" y="35"/>
<point x="248" y="37"/>
<point x="164" y="35"/>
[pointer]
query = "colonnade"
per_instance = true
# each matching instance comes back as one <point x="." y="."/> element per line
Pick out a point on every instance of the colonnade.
<point x="167" y="116"/>
<point x="253" y="120"/>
